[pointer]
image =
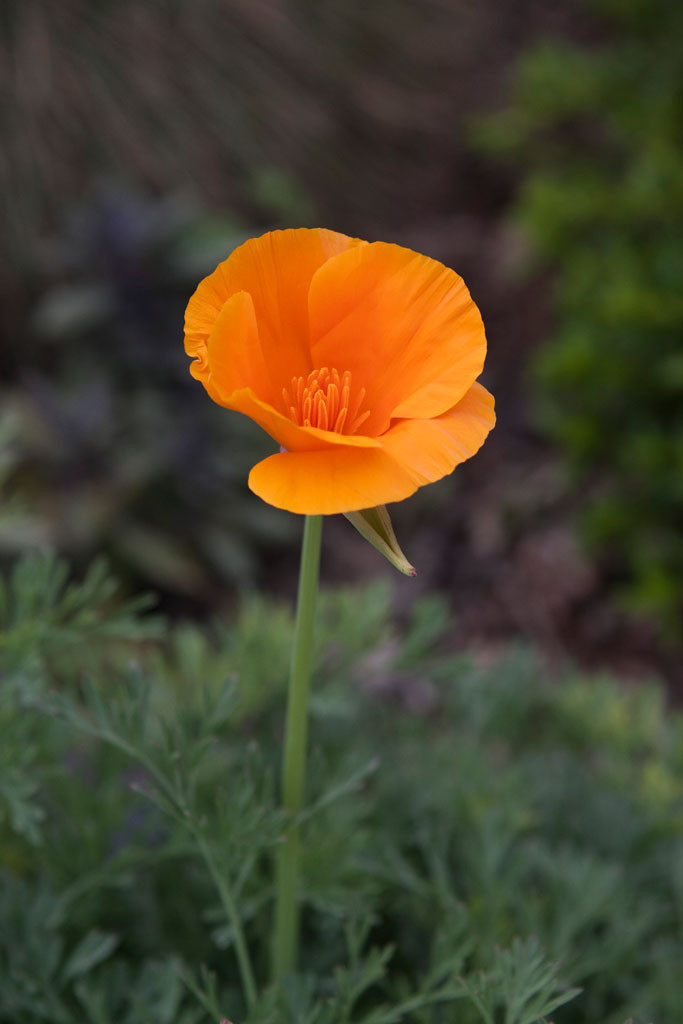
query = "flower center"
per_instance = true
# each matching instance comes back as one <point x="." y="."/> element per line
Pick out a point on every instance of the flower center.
<point x="324" y="400"/>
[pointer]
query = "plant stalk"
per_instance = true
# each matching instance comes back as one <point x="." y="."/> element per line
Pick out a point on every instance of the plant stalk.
<point x="286" y="935"/>
<point x="232" y="914"/>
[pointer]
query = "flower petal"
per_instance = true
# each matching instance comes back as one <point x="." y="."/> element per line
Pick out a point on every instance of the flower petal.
<point x="431" y="449"/>
<point x="276" y="271"/>
<point x="326" y="482"/>
<point x="345" y="480"/>
<point x="232" y="357"/>
<point x="200" y="317"/>
<point x="403" y="324"/>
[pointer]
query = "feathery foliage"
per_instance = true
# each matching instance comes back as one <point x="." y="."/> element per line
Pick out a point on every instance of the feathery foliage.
<point x="480" y="845"/>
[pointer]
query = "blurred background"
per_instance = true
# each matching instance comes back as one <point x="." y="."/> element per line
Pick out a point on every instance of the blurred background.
<point x="534" y="147"/>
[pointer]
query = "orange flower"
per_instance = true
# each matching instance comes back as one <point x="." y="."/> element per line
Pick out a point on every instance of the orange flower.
<point x="359" y="358"/>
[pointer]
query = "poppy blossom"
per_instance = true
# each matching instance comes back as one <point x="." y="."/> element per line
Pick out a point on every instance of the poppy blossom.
<point x="359" y="358"/>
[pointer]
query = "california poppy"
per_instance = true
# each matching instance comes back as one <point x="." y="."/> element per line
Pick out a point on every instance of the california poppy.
<point x="359" y="358"/>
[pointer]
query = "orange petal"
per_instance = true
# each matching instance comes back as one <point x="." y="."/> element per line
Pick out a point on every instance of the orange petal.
<point x="403" y="324"/>
<point x="233" y="356"/>
<point x="326" y="482"/>
<point x="276" y="271"/>
<point x="284" y="431"/>
<point x="345" y="480"/>
<point x="200" y="317"/>
<point x="430" y="449"/>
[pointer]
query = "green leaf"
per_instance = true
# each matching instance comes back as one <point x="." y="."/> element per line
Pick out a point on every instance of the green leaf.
<point x="375" y="525"/>
<point x="91" y="951"/>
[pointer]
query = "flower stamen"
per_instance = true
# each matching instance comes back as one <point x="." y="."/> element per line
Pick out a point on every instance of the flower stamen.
<point x="323" y="399"/>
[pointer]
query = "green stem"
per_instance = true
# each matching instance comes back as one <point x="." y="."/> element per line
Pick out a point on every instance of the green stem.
<point x="286" y="937"/>
<point x="226" y="897"/>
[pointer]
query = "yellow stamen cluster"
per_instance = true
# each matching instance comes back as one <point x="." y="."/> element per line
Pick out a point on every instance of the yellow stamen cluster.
<point x="323" y="400"/>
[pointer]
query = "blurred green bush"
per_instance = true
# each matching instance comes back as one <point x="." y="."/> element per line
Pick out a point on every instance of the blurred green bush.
<point x="469" y="824"/>
<point x="596" y="132"/>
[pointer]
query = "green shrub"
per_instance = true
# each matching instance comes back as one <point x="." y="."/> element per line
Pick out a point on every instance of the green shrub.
<point x="597" y="134"/>
<point x="478" y="841"/>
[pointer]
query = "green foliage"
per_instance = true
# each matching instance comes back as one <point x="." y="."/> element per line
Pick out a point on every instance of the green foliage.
<point x="597" y="134"/>
<point x="44" y="615"/>
<point x="480" y="845"/>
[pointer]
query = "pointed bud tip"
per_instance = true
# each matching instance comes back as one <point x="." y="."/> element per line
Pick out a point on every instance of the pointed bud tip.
<point x="374" y="524"/>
